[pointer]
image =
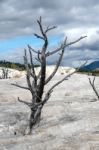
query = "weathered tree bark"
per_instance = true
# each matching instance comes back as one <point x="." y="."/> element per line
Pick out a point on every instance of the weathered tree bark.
<point x="37" y="82"/>
<point x="35" y="117"/>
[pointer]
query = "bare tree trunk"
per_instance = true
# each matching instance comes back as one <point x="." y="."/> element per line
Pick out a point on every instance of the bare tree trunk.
<point x="34" y="117"/>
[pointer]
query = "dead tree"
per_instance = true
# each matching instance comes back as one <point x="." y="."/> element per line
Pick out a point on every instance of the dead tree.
<point x="92" y="83"/>
<point x="4" y="73"/>
<point x="37" y="82"/>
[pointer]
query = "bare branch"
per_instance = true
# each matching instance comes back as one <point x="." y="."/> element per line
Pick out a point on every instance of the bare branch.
<point x="50" y="28"/>
<point x="41" y="28"/>
<point x="59" y="82"/>
<point x="38" y="57"/>
<point x="29" y="47"/>
<point x="17" y="85"/>
<point x="93" y="86"/>
<point x="25" y="60"/>
<point x="29" y="104"/>
<point x="64" y="46"/>
<point x="93" y="80"/>
<point x="28" y="72"/>
<point x="32" y="66"/>
<point x="56" y="68"/>
<point x="37" y="60"/>
<point x="57" y="65"/>
<point x="44" y="48"/>
<point x="38" y="36"/>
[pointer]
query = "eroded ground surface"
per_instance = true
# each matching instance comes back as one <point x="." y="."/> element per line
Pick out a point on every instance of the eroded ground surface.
<point x="70" y="119"/>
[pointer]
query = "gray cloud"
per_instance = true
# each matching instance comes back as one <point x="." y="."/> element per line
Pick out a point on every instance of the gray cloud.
<point x="73" y="18"/>
<point x="18" y="17"/>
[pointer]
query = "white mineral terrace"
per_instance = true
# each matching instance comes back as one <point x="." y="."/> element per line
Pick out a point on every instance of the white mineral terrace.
<point x="70" y="119"/>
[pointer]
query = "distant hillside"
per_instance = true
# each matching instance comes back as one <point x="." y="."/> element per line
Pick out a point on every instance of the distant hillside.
<point x="92" y="66"/>
<point x="13" y="65"/>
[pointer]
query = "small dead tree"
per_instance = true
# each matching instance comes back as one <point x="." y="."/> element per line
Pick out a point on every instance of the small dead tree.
<point x="37" y="82"/>
<point x="92" y="83"/>
<point x="4" y="73"/>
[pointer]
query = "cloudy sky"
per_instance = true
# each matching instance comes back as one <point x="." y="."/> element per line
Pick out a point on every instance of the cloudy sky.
<point x="73" y="18"/>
